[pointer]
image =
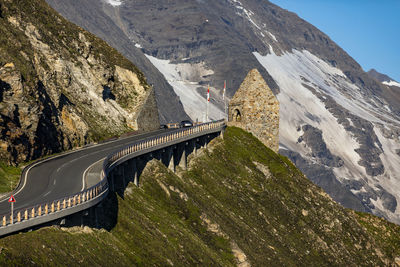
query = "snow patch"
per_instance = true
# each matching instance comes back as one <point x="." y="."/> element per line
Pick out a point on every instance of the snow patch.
<point x="114" y="2"/>
<point x="272" y="36"/>
<point x="184" y="79"/>
<point x="243" y="12"/>
<point x="392" y="83"/>
<point x="249" y="15"/>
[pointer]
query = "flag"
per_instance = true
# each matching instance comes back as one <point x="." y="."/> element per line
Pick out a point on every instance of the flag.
<point x="208" y="94"/>
<point x="223" y="92"/>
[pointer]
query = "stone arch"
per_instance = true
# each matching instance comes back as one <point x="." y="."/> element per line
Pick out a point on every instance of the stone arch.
<point x="237" y="116"/>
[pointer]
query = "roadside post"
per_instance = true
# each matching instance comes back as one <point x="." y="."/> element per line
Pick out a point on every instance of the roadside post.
<point x="12" y="200"/>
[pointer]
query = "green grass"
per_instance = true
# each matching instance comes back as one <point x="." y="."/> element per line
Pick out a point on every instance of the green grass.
<point x="281" y="219"/>
<point x="9" y="177"/>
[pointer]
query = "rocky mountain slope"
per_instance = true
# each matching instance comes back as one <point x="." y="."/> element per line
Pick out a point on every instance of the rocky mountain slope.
<point x="61" y="86"/>
<point x="92" y="16"/>
<point x="339" y="125"/>
<point x="383" y="78"/>
<point x="392" y="86"/>
<point x="239" y="204"/>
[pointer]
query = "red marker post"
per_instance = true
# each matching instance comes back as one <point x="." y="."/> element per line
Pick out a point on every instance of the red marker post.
<point x="12" y="200"/>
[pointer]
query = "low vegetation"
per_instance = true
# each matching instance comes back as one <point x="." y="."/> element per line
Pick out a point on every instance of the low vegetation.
<point x="239" y="203"/>
<point x="9" y="177"/>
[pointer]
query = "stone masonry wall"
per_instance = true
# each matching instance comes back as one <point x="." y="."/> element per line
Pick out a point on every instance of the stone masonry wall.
<point x="255" y="109"/>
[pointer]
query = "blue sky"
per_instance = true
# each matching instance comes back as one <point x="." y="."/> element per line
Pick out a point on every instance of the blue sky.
<point x="368" y="30"/>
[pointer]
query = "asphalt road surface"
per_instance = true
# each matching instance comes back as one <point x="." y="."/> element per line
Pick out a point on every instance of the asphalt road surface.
<point x="63" y="176"/>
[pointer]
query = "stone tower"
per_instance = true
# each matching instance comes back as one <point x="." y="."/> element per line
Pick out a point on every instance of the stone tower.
<point x="255" y="109"/>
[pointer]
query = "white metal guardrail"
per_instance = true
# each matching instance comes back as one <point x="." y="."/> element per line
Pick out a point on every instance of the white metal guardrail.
<point x="48" y="211"/>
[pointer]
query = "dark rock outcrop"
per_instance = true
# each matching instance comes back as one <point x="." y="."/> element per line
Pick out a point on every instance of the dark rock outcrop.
<point x="380" y="77"/>
<point x="62" y="87"/>
<point x="93" y="17"/>
<point x="312" y="137"/>
<point x="325" y="178"/>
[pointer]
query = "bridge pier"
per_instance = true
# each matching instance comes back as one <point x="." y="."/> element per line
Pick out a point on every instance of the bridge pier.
<point x="194" y="144"/>
<point x="203" y="142"/>
<point x="135" y="172"/>
<point x="111" y="180"/>
<point x="140" y="164"/>
<point x="123" y="173"/>
<point x="96" y="217"/>
<point x="221" y="134"/>
<point x="119" y="176"/>
<point x="182" y="154"/>
<point x="170" y="158"/>
<point x="157" y="154"/>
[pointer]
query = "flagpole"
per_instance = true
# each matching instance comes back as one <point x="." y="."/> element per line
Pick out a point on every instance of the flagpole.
<point x="223" y="97"/>
<point x="208" y="100"/>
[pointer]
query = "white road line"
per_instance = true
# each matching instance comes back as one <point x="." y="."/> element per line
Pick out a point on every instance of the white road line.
<point x="26" y="177"/>
<point x="70" y="152"/>
<point x="46" y="193"/>
<point x="87" y="169"/>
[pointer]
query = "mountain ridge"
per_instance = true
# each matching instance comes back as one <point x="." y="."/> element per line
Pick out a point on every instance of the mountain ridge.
<point x="383" y="78"/>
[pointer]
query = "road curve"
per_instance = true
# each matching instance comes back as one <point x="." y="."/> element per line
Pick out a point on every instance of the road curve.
<point x="62" y="176"/>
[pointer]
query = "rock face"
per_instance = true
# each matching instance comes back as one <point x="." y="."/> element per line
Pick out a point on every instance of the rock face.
<point x="62" y="87"/>
<point x="255" y="108"/>
<point x="380" y="77"/>
<point x="147" y="117"/>
<point x="96" y="17"/>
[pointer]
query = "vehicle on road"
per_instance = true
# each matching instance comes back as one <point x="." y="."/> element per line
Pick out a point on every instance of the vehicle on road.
<point x="186" y="124"/>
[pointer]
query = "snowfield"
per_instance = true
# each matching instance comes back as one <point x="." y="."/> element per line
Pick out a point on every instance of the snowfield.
<point x="299" y="106"/>
<point x="184" y="79"/>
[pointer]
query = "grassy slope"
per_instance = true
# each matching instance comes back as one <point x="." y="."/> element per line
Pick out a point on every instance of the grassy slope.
<point x="277" y="218"/>
<point x="9" y="177"/>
